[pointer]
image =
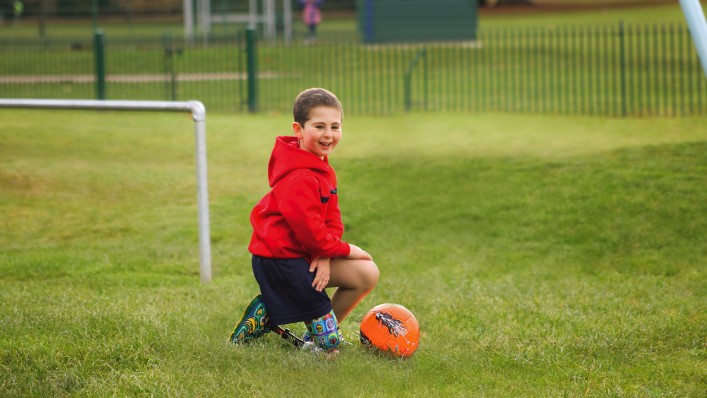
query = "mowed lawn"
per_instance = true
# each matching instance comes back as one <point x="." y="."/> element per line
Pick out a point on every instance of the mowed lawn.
<point x="543" y="256"/>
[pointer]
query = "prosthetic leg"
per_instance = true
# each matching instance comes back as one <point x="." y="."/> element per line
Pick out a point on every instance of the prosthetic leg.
<point x="323" y="333"/>
<point x="287" y="335"/>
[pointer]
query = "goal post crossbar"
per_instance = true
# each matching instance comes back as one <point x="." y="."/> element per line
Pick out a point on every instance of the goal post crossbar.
<point x="198" y="112"/>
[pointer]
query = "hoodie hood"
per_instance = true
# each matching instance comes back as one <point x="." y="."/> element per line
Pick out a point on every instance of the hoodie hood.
<point x="300" y="216"/>
<point x="287" y="156"/>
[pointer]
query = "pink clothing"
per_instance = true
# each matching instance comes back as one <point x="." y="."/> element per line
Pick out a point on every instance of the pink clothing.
<point x="311" y="14"/>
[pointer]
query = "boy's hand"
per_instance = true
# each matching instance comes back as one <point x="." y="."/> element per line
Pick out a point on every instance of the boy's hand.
<point x="358" y="253"/>
<point x="321" y="279"/>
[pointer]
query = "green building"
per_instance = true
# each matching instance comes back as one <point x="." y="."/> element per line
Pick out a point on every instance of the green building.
<point x="395" y="21"/>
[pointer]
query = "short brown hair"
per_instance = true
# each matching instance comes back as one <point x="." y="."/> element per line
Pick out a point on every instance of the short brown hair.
<point x="312" y="98"/>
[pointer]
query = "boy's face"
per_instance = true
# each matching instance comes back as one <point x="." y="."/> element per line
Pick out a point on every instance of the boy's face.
<point x="321" y="132"/>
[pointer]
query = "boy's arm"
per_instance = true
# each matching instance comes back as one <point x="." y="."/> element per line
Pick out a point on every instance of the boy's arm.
<point x="333" y="218"/>
<point x="300" y="203"/>
<point x="358" y="253"/>
<point x="333" y="214"/>
<point x="320" y="265"/>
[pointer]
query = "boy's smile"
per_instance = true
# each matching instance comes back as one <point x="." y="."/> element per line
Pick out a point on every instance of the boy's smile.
<point x="321" y="132"/>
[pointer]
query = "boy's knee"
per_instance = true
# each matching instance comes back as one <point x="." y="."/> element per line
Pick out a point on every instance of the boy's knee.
<point x="372" y="274"/>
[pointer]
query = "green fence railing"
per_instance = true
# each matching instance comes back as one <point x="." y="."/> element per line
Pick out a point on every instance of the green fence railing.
<point x="617" y="70"/>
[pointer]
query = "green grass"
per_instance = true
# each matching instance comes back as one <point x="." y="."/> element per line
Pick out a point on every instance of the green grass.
<point x="543" y="256"/>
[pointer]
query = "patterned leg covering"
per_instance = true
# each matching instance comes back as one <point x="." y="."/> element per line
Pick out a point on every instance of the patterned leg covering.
<point x="324" y="331"/>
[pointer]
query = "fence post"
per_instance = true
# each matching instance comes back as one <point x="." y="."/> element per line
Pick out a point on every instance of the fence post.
<point x="622" y="55"/>
<point x="170" y="53"/>
<point x="407" y="79"/>
<point x="251" y="54"/>
<point x="99" y="52"/>
<point x="424" y="81"/>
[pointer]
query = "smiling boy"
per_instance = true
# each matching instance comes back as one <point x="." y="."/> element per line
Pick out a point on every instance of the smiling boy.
<point x="297" y="244"/>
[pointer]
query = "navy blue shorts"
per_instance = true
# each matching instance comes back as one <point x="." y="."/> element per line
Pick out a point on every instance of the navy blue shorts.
<point x="286" y="286"/>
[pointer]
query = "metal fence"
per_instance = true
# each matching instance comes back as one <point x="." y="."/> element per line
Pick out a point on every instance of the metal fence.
<point x="630" y="70"/>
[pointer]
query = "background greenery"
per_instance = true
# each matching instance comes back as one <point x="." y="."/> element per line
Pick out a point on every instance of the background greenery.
<point x="543" y="256"/>
<point x="562" y="62"/>
<point x="609" y="12"/>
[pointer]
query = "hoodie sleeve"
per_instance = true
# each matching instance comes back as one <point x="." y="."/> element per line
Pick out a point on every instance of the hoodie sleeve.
<point x="300" y="204"/>
<point x="333" y="215"/>
<point x="333" y="218"/>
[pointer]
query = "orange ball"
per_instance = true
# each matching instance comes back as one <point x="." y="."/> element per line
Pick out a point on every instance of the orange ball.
<point x="391" y="328"/>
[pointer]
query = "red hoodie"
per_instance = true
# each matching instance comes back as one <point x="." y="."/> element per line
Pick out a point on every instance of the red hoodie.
<point x="300" y="216"/>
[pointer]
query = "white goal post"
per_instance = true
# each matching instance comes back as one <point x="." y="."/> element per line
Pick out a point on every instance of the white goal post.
<point x="199" y="12"/>
<point x="198" y="112"/>
<point x="697" y="25"/>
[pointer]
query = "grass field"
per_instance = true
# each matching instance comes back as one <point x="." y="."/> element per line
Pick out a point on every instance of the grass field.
<point x="543" y="256"/>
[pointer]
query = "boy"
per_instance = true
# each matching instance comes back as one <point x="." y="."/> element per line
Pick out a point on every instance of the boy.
<point x="297" y="229"/>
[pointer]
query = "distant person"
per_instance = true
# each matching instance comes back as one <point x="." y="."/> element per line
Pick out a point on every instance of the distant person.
<point x="311" y="16"/>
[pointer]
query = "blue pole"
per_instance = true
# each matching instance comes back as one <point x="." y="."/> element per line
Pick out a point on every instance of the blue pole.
<point x="698" y="28"/>
<point x="368" y="21"/>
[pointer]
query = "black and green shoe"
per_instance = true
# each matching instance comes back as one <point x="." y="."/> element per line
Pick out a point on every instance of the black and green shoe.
<point x="252" y="324"/>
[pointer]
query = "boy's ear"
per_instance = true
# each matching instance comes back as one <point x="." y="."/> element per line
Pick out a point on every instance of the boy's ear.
<point x="297" y="129"/>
